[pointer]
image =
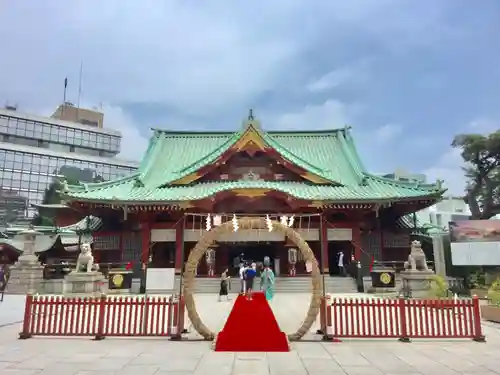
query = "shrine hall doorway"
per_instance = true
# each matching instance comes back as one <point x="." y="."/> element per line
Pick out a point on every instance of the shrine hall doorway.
<point x="335" y="248"/>
<point x="248" y="251"/>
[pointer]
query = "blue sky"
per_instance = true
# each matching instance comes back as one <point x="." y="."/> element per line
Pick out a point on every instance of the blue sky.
<point x="406" y="75"/>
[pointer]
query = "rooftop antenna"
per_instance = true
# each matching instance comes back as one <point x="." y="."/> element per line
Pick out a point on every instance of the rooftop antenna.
<point x="64" y="95"/>
<point x="79" y="91"/>
<point x="250" y="115"/>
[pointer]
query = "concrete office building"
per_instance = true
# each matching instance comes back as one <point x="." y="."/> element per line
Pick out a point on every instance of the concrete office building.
<point x="35" y="149"/>
<point x="68" y="112"/>
<point x="449" y="209"/>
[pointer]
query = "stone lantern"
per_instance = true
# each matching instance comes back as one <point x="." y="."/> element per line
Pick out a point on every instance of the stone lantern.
<point x="292" y="261"/>
<point x="210" y="260"/>
<point x="26" y="276"/>
<point x="29" y="237"/>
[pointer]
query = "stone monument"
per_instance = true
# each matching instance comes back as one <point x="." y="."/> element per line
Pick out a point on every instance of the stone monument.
<point x="416" y="274"/>
<point x="85" y="280"/>
<point x="26" y="276"/>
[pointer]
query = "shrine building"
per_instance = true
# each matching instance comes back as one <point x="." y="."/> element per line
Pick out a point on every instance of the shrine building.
<point x="313" y="180"/>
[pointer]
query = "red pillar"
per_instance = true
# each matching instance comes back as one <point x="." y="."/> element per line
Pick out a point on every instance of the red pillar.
<point x="324" y="244"/>
<point x="179" y="246"/>
<point x="145" y="241"/>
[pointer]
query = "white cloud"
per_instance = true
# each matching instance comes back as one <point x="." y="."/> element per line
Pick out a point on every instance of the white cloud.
<point x="483" y="125"/>
<point x="134" y="143"/>
<point x="449" y="168"/>
<point x="195" y="57"/>
<point x="388" y="133"/>
<point x="330" y="115"/>
<point x="332" y="80"/>
<point x="353" y="74"/>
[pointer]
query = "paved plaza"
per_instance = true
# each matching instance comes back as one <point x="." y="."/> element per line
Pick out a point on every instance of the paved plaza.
<point x="61" y="356"/>
<point x="12" y="309"/>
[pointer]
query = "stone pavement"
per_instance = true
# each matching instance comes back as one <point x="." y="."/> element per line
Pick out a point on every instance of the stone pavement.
<point x="75" y="356"/>
<point x="56" y="356"/>
<point x="12" y="309"/>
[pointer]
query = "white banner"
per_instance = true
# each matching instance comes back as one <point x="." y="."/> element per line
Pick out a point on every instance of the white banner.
<point x="475" y="253"/>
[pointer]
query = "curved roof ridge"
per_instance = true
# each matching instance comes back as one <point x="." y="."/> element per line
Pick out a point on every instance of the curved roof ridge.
<point x="354" y="151"/>
<point x="153" y="140"/>
<point x="407" y="184"/>
<point x="373" y="191"/>
<point x="350" y="157"/>
<point x="102" y="185"/>
<point x="270" y="131"/>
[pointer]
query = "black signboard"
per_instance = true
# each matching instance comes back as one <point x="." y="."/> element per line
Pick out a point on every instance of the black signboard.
<point x="120" y="279"/>
<point x="383" y="278"/>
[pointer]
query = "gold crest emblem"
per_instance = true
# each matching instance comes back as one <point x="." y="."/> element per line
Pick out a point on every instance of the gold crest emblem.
<point x="117" y="280"/>
<point x="385" y="278"/>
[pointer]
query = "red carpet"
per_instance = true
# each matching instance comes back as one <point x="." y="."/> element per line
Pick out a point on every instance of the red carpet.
<point x="251" y="327"/>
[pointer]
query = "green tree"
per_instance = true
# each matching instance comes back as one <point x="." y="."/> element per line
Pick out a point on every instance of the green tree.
<point x="73" y="176"/>
<point x="51" y="196"/>
<point x="481" y="154"/>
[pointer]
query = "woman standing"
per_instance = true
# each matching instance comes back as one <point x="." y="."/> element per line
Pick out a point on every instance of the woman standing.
<point x="224" y="285"/>
<point x="267" y="280"/>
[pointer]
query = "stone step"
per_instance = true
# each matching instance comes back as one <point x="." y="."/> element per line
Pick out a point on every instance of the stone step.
<point x="283" y="284"/>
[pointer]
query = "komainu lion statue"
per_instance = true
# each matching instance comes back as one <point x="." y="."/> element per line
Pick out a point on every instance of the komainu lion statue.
<point x="416" y="259"/>
<point x="86" y="259"/>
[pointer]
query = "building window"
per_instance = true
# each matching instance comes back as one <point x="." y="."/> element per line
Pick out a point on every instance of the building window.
<point x="28" y="174"/>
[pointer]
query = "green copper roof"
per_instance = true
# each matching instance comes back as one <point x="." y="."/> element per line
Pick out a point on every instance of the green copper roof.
<point x="69" y="235"/>
<point x="329" y="154"/>
<point x="374" y="188"/>
<point x="88" y="223"/>
<point x="173" y="155"/>
<point x="423" y="226"/>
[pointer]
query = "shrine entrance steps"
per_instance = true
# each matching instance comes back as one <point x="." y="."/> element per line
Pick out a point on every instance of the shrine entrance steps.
<point x="298" y="284"/>
<point x="344" y="285"/>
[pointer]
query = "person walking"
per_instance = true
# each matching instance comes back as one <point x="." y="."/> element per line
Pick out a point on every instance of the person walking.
<point x="242" y="278"/>
<point x="340" y="264"/>
<point x="250" y="274"/>
<point x="224" y="285"/>
<point x="267" y="280"/>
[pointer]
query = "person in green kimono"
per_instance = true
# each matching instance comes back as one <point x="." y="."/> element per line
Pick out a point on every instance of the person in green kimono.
<point x="267" y="279"/>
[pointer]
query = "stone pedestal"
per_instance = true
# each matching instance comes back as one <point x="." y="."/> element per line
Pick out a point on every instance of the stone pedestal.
<point x="417" y="282"/>
<point x="52" y="286"/>
<point x="26" y="276"/>
<point x="84" y="284"/>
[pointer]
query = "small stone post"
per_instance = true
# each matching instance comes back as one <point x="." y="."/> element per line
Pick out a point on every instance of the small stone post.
<point x="26" y="276"/>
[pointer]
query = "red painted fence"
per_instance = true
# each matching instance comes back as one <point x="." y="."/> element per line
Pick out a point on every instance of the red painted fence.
<point x="401" y="318"/>
<point x="103" y="316"/>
